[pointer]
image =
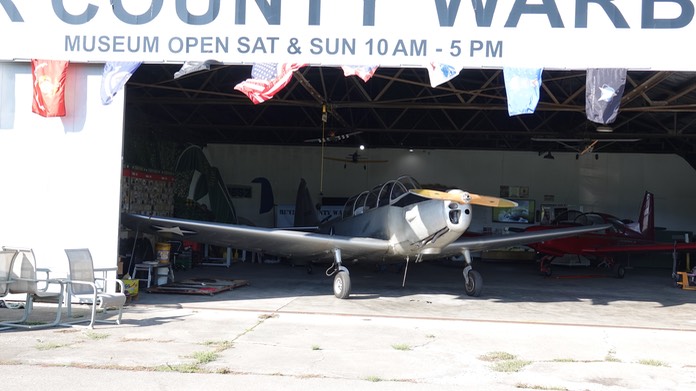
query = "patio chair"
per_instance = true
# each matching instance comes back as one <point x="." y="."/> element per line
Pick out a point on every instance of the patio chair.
<point x="82" y="288"/>
<point x="6" y="258"/>
<point x="22" y="279"/>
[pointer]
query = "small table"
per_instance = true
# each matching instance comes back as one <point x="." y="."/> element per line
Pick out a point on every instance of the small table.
<point x="152" y="269"/>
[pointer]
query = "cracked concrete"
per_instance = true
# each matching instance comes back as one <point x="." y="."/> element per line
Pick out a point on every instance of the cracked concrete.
<point x="286" y="330"/>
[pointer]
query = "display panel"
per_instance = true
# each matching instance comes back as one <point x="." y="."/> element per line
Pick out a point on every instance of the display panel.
<point x="523" y="213"/>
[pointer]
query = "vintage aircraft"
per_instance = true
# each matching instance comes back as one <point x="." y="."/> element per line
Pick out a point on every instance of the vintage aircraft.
<point x="355" y="157"/>
<point x="603" y="247"/>
<point x="393" y="222"/>
<point x="585" y="146"/>
<point x="333" y="137"/>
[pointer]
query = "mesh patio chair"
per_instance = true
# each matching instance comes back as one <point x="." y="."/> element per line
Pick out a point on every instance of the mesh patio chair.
<point x="82" y="288"/>
<point x="6" y="258"/>
<point x="23" y="280"/>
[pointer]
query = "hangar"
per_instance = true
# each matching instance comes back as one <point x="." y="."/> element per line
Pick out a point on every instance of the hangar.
<point x="460" y="130"/>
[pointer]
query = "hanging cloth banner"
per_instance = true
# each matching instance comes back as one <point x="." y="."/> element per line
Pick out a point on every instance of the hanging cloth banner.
<point x="441" y="73"/>
<point x="266" y="80"/>
<point x="114" y="77"/>
<point x="365" y="72"/>
<point x="604" y="89"/>
<point x="49" y="87"/>
<point x="522" y="88"/>
<point x="193" y="67"/>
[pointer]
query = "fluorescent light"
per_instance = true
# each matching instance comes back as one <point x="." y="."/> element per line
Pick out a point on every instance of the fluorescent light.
<point x="604" y="129"/>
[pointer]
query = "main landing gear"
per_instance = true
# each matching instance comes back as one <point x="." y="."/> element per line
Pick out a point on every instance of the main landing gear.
<point x="473" y="282"/>
<point x="607" y="262"/>
<point x="545" y="265"/>
<point x="341" y="283"/>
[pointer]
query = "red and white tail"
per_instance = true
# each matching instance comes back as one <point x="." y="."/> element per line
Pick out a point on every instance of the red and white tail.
<point x="646" y="219"/>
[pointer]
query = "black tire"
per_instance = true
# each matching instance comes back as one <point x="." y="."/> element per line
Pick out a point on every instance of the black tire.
<point x="341" y="285"/>
<point x="619" y="271"/>
<point x="547" y="272"/>
<point x="309" y="269"/>
<point x="475" y="284"/>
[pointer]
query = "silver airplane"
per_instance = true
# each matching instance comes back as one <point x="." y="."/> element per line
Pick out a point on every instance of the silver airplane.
<point x="393" y="222"/>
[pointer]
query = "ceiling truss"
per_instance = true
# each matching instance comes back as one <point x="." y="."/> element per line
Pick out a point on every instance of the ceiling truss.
<point x="397" y="108"/>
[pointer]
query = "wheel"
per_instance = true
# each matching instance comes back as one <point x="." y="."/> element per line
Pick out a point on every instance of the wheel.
<point x="545" y="265"/>
<point x="546" y="271"/>
<point x="309" y="268"/>
<point x="341" y="285"/>
<point x="619" y="271"/>
<point x="474" y="285"/>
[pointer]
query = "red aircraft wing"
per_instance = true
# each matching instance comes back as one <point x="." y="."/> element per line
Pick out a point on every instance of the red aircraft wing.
<point x="623" y="237"/>
<point x="640" y="247"/>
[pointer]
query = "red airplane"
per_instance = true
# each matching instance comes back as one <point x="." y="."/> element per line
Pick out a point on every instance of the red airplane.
<point x="603" y="247"/>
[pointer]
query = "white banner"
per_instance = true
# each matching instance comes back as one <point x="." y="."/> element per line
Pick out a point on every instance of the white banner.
<point x="285" y="214"/>
<point x="561" y="34"/>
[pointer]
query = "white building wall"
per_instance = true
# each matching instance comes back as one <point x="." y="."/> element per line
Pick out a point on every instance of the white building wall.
<point x="614" y="183"/>
<point x="60" y="176"/>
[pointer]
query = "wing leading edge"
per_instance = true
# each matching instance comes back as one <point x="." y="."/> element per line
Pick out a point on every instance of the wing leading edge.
<point x="479" y="243"/>
<point x="641" y="247"/>
<point x="301" y="245"/>
<point x="276" y="242"/>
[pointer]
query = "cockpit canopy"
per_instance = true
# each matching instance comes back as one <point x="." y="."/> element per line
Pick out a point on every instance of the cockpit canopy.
<point x="380" y="195"/>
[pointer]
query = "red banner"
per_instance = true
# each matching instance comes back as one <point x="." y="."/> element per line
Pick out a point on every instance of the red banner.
<point x="49" y="87"/>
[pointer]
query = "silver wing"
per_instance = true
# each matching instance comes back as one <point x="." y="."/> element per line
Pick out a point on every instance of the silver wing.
<point x="478" y="243"/>
<point x="293" y="244"/>
<point x="284" y="243"/>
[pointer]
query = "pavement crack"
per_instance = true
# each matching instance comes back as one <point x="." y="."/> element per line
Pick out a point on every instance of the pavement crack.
<point x="262" y="319"/>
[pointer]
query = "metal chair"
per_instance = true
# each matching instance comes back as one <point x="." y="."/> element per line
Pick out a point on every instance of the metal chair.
<point x="6" y="259"/>
<point x="82" y="287"/>
<point x="22" y="279"/>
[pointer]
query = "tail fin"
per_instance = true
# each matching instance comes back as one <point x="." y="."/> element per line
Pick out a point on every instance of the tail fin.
<point x="267" y="201"/>
<point x="646" y="219"/>
<point x="305" y="212"/>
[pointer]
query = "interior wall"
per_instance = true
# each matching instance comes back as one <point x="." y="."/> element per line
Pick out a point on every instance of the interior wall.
<point x="60" y="176"/>
<point x="614" y="183"/>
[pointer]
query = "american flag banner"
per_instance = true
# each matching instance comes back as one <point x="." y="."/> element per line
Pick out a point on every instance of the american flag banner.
<point x="49" y="87"/>
<point x="441" y="73"/>
<point x="266" y="80"/>
<point x="365" y="72"/>
<point x="114" y="77"/>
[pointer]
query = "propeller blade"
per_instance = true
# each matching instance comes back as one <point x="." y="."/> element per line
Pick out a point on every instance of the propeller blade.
<point x="462" y="197"/>
<point x="438" y="195"/>
<point x="493" y="202"/>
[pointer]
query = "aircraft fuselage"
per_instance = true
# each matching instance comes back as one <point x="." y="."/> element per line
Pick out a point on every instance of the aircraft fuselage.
<point x="420" y="227"/>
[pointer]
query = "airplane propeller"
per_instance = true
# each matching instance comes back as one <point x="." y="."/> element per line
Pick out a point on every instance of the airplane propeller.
<point x="463" y="197"/>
